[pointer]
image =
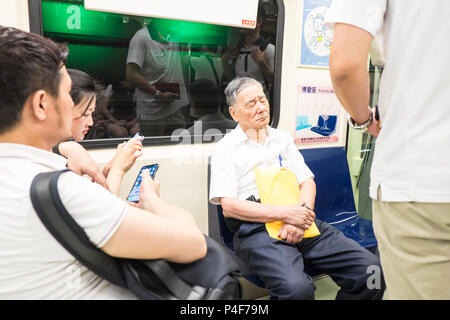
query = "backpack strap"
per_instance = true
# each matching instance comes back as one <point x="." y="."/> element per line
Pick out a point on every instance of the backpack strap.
<point x="50" y="209"/>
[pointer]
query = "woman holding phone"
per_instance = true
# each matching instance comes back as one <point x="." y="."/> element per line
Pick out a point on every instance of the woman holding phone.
<point x="84" y="93"/>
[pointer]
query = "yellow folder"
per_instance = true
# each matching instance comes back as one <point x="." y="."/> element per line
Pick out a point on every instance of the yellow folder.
<point x="278" y="186"/>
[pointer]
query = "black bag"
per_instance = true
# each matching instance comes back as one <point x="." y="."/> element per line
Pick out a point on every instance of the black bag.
<point x="211" y="278"/>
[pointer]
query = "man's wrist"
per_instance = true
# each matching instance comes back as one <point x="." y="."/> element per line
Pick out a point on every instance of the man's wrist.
<point x="157" y="94"/>
<point x="360" y="126"/>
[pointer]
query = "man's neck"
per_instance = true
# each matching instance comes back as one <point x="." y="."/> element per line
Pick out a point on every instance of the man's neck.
<point x="19" y="136"/>
<point x="257" y="135"/>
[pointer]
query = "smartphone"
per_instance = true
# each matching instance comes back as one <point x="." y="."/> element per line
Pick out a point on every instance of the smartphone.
<point x="139" y="136"/>
<point x="133" y="196"/>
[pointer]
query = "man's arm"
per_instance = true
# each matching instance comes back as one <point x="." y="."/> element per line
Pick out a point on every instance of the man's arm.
<point x="146" y="235"/>
<point x="161" y="231"/>
<point x="348" y="69"/>
<point x="134" y="78"/>
<point x="245" y="210"/>
<point x="80" y="162"/>
<point x="308" y="193"/>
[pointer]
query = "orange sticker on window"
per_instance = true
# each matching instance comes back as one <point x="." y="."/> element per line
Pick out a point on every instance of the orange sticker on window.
<point x="248" y="22"/>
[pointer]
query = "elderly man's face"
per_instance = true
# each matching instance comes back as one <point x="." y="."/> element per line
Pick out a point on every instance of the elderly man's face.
<point x="252" y="110"/>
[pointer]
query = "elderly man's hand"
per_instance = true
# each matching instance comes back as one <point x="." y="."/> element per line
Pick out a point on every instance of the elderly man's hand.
<point x="298" y="215"/>
<point x="291" y="234"/>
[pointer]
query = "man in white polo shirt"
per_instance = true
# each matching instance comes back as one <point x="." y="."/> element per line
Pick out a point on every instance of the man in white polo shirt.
<point x="279" y="263"/>
<point x="410" y="177"/>
<point x="35" y="114"/>
<point x="155" y="62"/>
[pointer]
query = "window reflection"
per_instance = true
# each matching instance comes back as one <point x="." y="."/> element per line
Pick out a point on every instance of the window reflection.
<point x="161" y="75"/>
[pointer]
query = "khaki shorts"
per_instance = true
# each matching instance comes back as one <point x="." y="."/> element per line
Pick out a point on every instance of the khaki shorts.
<point x="414" y="245"/>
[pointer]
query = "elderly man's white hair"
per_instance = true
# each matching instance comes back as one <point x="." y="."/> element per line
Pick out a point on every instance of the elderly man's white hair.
<point x="235" y="86"/>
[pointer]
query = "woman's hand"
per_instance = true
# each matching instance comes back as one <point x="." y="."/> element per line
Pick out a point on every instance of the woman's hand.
<point x="125" y="157"/>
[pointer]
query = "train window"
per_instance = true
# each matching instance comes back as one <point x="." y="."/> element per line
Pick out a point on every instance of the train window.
<point x="164" y="77"/>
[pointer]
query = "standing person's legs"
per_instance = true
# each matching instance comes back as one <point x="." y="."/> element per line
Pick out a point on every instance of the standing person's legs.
<point x="414" y="244"/>
<point x="355" y="270"/>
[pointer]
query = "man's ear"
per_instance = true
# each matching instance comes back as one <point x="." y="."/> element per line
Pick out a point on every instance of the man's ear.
<point x="233" y="113"/>
<point x="40" y="103"/>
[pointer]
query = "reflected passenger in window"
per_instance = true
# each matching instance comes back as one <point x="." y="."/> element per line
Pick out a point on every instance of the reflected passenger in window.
<point x="84" y="95"/>
<point x="252" y="57"/>
<point x="154" y="69"/>
<point x="89" y="123"/>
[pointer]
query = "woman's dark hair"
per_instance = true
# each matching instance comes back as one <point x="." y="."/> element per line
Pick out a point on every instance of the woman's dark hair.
<point x="28" y="63"/>
<point x="83" y="85"/>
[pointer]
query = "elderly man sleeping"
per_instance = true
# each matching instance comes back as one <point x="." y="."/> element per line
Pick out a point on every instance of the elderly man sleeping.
<point x="279" y="263"/>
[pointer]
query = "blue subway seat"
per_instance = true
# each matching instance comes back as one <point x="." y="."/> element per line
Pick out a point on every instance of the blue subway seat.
<point x="334" y="195"/>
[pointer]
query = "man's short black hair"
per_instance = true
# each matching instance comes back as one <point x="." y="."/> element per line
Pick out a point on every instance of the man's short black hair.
<point x="28" y="62"/>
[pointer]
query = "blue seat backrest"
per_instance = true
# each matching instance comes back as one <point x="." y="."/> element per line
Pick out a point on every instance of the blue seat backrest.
<point x="334" y="194"/>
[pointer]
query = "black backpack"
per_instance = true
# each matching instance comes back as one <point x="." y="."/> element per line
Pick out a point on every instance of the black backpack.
<point x="211" y="278"/>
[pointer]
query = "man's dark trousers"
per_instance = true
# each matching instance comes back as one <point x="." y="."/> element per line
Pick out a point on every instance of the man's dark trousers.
<point x="281" y="265"/>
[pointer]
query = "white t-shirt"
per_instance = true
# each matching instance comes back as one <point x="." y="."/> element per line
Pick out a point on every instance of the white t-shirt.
<point x="412" y="153"/>
<point x="252" y="69"/>
<point x="159" y="62"/>
<point x="33" y="265"/>
<point x="235" y="156"/>
<point x="207" y="66"/>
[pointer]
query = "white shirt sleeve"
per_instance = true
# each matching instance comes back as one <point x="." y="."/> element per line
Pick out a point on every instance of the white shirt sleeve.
<point x="136" y="49"/>
<point x="94" y="208"/>
<point x="365" y="14"/>
<point x="223" y="175"/>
